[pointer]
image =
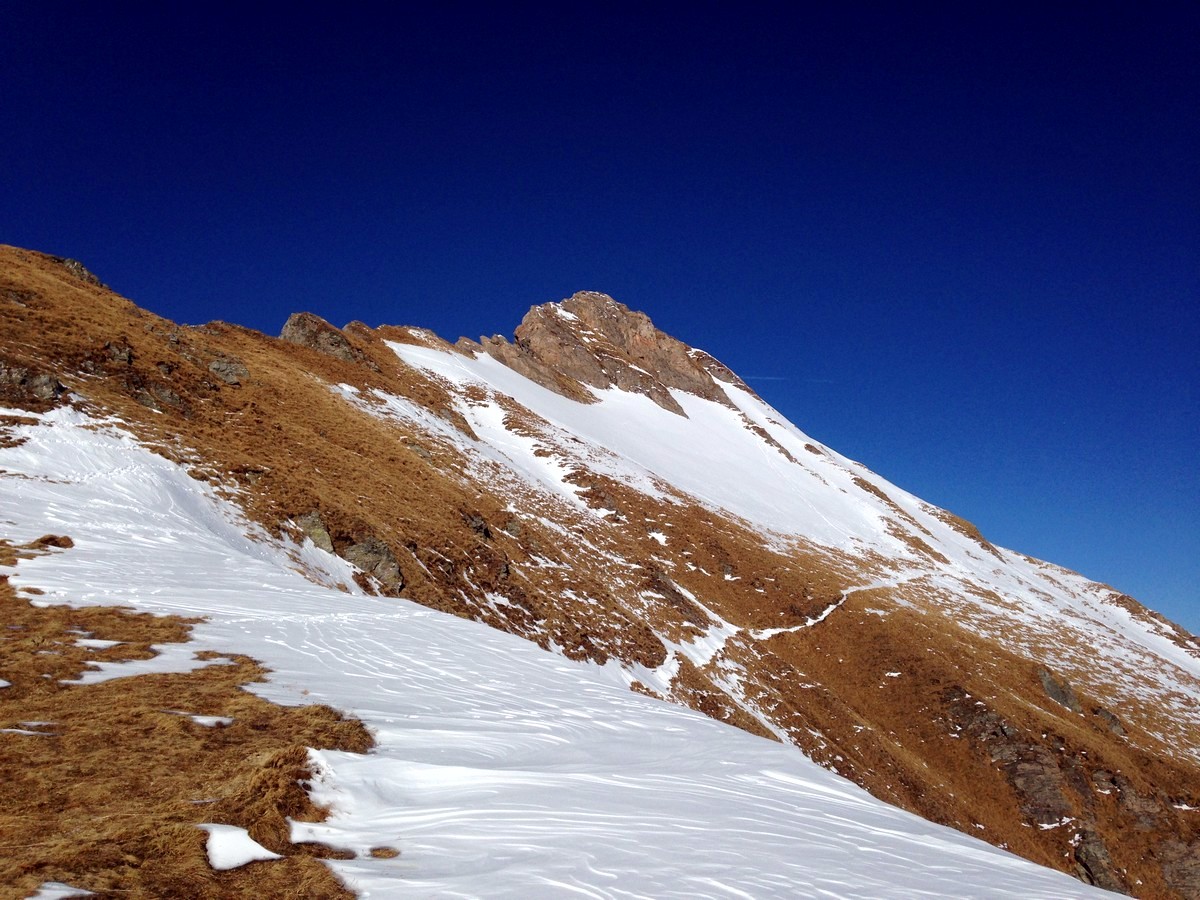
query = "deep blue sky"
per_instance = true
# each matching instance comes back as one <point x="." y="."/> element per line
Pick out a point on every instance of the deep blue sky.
<point x="960" y="245"/>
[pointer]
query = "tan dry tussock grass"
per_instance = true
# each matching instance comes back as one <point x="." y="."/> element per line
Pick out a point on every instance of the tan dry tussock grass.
<point x="105" y="792"/>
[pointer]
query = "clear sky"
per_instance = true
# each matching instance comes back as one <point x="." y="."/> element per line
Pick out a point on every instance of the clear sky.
<point x="958" y="242"/>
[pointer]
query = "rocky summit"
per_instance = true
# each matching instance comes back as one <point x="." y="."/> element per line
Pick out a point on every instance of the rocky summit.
<point x="612" y="495"/>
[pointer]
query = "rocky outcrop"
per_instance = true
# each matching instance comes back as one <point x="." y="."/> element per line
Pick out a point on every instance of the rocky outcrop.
<point x="1095" y="866"/>
<point x="1145" y="810"/>
<point x="229" y="370"/>
<point x="78" y="270"/>
<point x="1034" y="773"/>
<point x="119" y="352"/>
<point x="312" y="331"/>
<point x="314" y="529"/>
<point x="1111" y="722"/>
<point x="591" y="340"/>
<point x="29" y="388"/>
<point x="1058" y="787"/>
<point x="1181" y="866"/>
<point x="154" y="394"/>
<point x="376" y="559"/>
<point x="1059" y="690"/>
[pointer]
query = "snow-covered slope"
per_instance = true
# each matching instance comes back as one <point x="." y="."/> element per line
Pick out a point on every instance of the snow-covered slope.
<point x="744" y="460"/>
<point x="500" y="770"/>
<point x="613" y="496"/>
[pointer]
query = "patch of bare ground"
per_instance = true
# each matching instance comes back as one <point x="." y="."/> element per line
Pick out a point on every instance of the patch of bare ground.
<point x="102" y="785"/>
<point x="1178" y="635"/>
<point x="985" y="748"/>
<point x="896" y="529"/>
<point x="7" y="438"/>
<point x="965" y="528"/>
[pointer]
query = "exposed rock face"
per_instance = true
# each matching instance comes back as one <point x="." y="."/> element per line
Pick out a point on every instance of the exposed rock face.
<point x="315" y="530"/>
<point x="375" y="558"/>
<point x="1034" y="772"/>
<point x="590" y="339"/>
<point x="1097" y="866"/>
<point x="1059" y="690"/>
<point x="79" y="270"/>
<point x="312" y="331"/>
<point x="119" y="352"/>
<point x="1182" y="866"/>
<point x="155" y="395"/>
<point x="29" y="387"/>
<point x="1146" y="811"/>
<point x="229" y="370"/>
<point x="1111" y="722"/>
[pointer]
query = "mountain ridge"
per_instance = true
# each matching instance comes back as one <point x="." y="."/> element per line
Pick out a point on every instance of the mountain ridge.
<point x="495" y="480"/>
<point x="590" y="339"/>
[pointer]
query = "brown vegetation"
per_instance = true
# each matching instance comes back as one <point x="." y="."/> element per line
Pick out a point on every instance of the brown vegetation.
<point x="102" y="785"/>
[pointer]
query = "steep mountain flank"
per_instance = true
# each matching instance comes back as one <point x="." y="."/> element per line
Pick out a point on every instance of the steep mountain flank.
<point x="607" y="492"/>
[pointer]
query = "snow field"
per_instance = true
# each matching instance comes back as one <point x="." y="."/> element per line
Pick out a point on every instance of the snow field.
<point x="500" y="770"/>
<point x="1055" y="616"/>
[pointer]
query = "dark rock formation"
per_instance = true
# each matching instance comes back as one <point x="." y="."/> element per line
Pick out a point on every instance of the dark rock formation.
<point x="229" y="370"/>
<point x="28" y="387"/>
<point x="1095" y="865"/>
<point x="314" y="529"/>
<point x="1146" y="811"/>
<point x="1059" y="690"/>
<point x="1034" y="772"/>
<point x="119" y="352"/>
<point x="154" y="395"/>
<point x="478" y="525"/>
<point x="1181" y="866"/>
<point x="374" y="558"/>
<point x="1111" y="722"/>
<point x="78" y="270"/>
<point x="312" y="331"/>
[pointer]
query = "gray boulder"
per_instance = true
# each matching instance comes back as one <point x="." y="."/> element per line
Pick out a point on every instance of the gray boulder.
<point x="312" y="331"/>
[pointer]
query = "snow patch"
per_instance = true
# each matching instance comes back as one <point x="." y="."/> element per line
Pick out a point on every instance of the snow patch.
<point x="96" y="643"/>
<point x="169" y="659"/>
<point x="230" y="847"/>
<point x="57" y="890"/>
<point x="206" y="721"/>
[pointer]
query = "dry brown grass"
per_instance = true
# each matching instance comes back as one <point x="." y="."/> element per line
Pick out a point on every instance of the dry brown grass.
<point x="965" y="528"/>
<point x="106" y="795"/>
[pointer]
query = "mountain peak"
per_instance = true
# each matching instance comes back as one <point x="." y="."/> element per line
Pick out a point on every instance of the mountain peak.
<point x="589" y="340"/>
<point x="593" y="300"/>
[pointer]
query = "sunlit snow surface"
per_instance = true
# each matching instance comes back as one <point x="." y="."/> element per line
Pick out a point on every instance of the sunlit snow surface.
<point x="630" y="438"/>
<point x="500" y="769"/>
<point x="713" y="456"/>
<point x="57" y="890"/>
<point x="230" y="847"/>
